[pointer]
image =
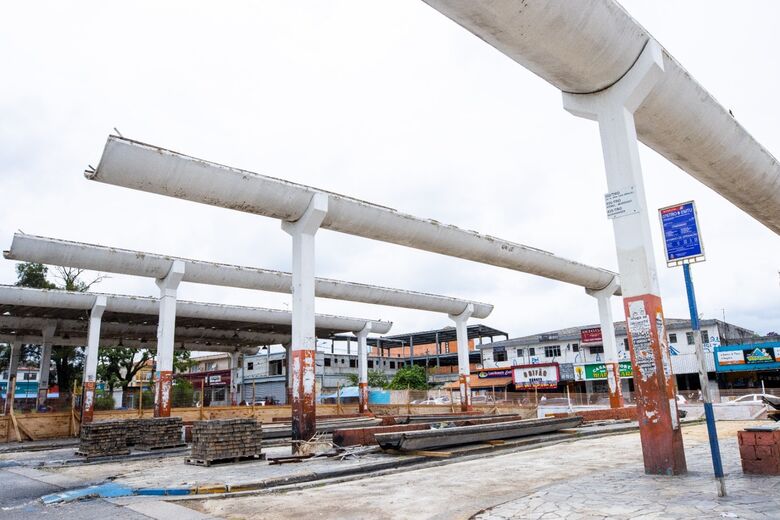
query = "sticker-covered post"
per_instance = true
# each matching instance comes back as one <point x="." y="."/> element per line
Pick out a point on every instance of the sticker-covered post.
<point x="683" y="246"/>
<point x="613" y="108"/>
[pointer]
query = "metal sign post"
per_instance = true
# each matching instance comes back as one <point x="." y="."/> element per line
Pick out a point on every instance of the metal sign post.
<point x="683" y="246"/>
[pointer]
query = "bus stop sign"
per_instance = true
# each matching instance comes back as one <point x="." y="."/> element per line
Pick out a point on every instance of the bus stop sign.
<point x="682" y="242"/>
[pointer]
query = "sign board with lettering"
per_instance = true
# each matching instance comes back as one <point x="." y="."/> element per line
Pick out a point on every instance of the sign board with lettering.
<point x="748" y="357"/>
<point x="484" y="374"/>
<point x="541" y="375"/>
<point x="621" y="203"/>
<point x="591" y="336"/>
<point x="682" y="241"/>
<point x="598" y="371"/>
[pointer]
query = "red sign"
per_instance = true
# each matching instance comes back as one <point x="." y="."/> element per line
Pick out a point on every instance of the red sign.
<point x="592" y="335"/>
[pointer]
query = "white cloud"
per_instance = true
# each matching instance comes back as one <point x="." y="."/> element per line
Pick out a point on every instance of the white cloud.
<point x="389" y="102"/>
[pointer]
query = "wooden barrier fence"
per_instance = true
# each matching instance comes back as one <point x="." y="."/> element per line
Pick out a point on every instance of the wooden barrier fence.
<point x="54" y="425"/>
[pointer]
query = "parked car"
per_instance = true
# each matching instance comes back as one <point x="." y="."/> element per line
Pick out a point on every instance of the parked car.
<point x="749" y="399"/>
<point x="482" y="399"/>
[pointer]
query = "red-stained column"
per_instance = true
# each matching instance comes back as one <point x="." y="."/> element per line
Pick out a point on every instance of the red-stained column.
<point x="304" y="341"/>
<point x="91" y="359"/>
<point x="613" y="108"/>
<point x="363" y="368"/>
<point x="464" y="370"/>
<point x="165" y="338"/>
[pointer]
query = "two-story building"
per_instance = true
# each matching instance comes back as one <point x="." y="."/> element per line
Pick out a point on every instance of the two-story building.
<point x="583" y="348"/>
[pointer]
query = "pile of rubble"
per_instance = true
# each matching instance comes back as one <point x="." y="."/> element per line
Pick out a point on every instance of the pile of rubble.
<point x="220" y="440"/>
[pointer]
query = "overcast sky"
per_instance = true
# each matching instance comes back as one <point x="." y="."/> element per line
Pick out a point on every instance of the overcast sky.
<point x="387" y="101"/>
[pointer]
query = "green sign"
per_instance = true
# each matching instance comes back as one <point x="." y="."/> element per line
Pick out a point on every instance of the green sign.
<point x="599" y="370"/>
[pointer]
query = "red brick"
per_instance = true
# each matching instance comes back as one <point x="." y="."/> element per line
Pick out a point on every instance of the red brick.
<point x="764" y="452"/>
<point x="761" y="467"/>
<point x="765" y="438"/>
<point x="747" y="452"/>
<point x="748" y="438"/>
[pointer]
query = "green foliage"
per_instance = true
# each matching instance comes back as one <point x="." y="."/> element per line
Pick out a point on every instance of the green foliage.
<point x="32" y="274"/>
<point x="182" y="361"/>
<point x="119" y="365"/>
<point x="148" y="399"/>
<point x="409" y="377"/>
<point x="104" y="401"/>
<point x="183" y="392"/>
<point x="376" y="379"/>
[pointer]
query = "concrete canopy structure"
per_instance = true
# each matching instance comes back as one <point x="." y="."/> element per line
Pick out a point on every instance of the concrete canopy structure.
<point x="595" y="43"/>
<point x="133" y="321"/>
<point x="100" y="258"/>
<point x="303" y="210"/>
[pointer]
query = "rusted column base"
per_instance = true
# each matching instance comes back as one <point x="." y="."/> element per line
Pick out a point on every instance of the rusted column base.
<point x="465" y="393"/>
<point x="162" y="394"/>
<point x="659" y="425"/>
<point x="363" y="392"/>
<point x="615" y="390"/>
<point x="87" y="401"/>
<point x="304" y="410"/>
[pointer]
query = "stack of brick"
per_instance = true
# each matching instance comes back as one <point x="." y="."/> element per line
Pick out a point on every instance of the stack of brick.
<point x="160" y="432"/>
<point x="103" y="438"/>
<point x="226" y="439"/>
<point x="760" y="451"/>
<point x="133" y="431"/>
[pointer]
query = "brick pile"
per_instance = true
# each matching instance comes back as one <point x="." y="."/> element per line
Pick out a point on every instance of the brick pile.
<point x="103" y="438"/>
<point x="226" y="439"/>
<point x="157" y="433"/>
<point x="760" y="451"/>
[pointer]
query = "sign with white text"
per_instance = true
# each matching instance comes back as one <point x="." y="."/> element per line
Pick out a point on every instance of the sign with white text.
<point x="682" y="242"/>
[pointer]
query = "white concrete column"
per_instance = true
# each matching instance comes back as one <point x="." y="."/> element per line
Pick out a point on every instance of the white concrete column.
<point x="235" y="360"/>
<point x="304" y="342"/>
<point x="611" y="357"/>
<point x="166" y="328"/>
<point x="14" y="356"/>
<point x="44" y="366"/>
<point x="91" y="359"/>
<point x="614" y="108"/>
<point x="464" y="371"/>
<point x="363" y="367"/>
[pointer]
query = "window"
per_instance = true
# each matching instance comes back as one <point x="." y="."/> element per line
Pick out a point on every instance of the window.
<point x="392" y="365"/>
<point x="597" y="349"/>
<point x="499" y="356"/>
<point x="250" y="365"/>
<point x="672" y="338"/>
<point x="370" y="363"/>
<point x="275" y="368"/>
<point x="626" y="345"/>
<point x="342" y="361"/>
<point x="575" y="347"/>
<point x="689" y="337"/>
<point x="553" y="351"/>
<point x="352" y="363"/>
<point x="519" y="353"/>
<point x="326" y="361"/>
<point x="30" y="376"/>
<point x="531" y="351"/>
<point x="705" y="336"/>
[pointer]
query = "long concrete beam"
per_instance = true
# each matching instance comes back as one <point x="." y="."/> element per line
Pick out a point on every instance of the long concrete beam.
<point x="81" y="341"/>
<point x="23" y="296"/>
<point x="128" y="331"/>
<point x="149" y="168"/>
<point x="586" y="46"/>
<point x="52" y="251"/>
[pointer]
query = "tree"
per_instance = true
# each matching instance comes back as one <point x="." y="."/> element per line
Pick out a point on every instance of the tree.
<point x="409" y="377"/>
<point x="68" y="361"/>
<point x="119" y="365"/>
<point x="376" y="379"/>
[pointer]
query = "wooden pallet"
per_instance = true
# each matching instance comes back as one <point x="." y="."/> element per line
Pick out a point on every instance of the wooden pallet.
<point x="156" y="448"/>
<point x="229" y="460"/>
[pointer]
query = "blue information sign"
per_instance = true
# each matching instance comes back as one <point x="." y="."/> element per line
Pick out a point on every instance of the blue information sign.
<point x="682" y="242"/>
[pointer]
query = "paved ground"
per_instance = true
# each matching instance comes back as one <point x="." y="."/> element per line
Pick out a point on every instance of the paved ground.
<point x="573" y="480"/>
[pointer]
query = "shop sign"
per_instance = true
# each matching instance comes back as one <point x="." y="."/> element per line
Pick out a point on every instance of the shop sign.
<point x="214" y="379"/>
<point x="764" y="356"/>
<point x="682" y="242"/>
<point x="536" y="376"/>
<point x="591" y="335"/>
<point x="566" y="371"/>
<point x="596" y="371"/>
<point x="548" y="337"/>
<point x="483" y="374"/>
